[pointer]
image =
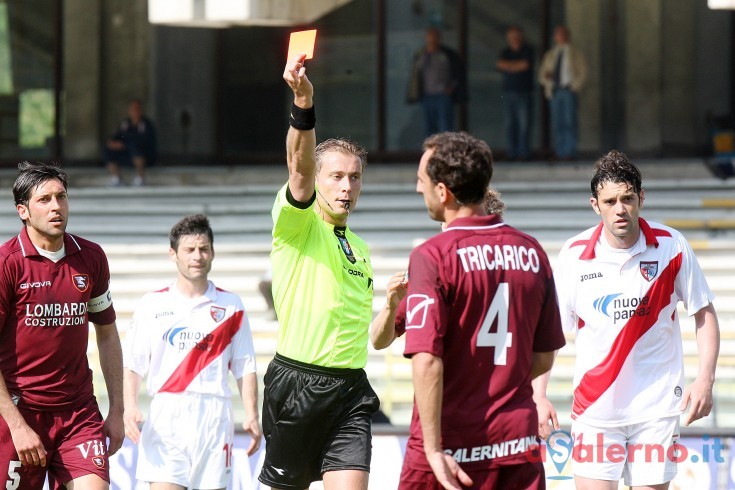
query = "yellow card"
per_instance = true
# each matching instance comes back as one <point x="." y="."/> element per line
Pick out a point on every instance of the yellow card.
<point x="302" y="42"/>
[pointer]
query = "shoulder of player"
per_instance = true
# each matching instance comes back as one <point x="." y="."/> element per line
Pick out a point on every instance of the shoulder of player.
<point x="660" y="230"/>
<point x="520" y="236"/>
<point x="578" y="242"/>
<point x="227" y="297"/>
<point x="153" y="299"/>
<point x="87" y="246"/>
<point x="9" y="248"/>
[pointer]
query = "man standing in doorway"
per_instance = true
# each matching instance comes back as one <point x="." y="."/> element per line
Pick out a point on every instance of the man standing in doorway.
<point x="438" y="82"/>
<point x="563" y="73"/>
<point x="516" y="66"/>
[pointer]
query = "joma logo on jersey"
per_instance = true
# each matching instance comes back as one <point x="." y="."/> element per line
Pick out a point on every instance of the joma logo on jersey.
<point x="622" y="308"/>
<point x="594" y="275"/>
<point x="37" y="284"/>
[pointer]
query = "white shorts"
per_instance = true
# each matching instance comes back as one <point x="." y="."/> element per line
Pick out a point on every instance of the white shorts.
<point x="642" y="454"/>
<point x="187" y="440"/>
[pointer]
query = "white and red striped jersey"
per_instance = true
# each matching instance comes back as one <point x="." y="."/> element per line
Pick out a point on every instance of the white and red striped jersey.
<point x="622" y="304"/>
<point x="189" y="344"/>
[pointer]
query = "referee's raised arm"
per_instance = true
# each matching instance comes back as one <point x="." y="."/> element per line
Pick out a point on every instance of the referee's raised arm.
<point x="301" y="139"/>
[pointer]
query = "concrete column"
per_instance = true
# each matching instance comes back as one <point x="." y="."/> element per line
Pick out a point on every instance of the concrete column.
<point x="678" y="74"/>
<point x="583" y="20"/>
<point x="81" y="79"/>
<point x="643" y="74"/>
<point x="126" y="55"/>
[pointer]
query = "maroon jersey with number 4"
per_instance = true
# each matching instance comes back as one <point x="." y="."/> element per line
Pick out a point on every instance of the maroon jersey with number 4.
<point x="481" y="297"/>
<point x="45" y="310"/>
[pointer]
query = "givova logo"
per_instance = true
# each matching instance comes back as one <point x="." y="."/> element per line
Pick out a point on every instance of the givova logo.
<point x="603" y="303"/>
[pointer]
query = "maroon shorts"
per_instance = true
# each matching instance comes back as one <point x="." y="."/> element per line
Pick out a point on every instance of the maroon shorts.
<point x="74" y="443"/>
<point x="526" y="476"/>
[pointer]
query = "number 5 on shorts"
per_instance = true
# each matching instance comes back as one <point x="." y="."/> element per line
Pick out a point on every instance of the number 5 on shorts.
<point x="14" y="481"/>
<point x="501" y="339"/>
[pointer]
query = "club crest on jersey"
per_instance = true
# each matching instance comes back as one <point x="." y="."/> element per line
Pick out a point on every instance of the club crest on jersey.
<point x="649" y="270"/>
<point x="344" y="244"/>
<point x="98" y="461"/>
<point x="81" y="282"/>
<point x="217" y="312"/>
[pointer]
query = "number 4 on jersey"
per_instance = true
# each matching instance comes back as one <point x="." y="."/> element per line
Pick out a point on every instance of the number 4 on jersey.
<point x="501" y="339"/>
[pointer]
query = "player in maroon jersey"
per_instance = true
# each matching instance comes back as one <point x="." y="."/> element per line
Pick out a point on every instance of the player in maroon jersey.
<point x="390" y="322"/>
<point x="481" y="322"/>
<point x="52" y="284"/>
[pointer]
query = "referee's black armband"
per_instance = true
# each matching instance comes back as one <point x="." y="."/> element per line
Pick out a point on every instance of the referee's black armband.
<point x="302" y="119"/>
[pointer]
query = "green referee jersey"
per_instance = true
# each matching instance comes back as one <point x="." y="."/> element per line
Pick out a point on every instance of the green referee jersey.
<point x="322" y="287"/>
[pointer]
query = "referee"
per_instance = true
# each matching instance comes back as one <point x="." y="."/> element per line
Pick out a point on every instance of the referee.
<point x="317" y="401"/>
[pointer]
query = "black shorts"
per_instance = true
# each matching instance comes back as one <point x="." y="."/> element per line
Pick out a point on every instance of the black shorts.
<point x="315" y="419"/>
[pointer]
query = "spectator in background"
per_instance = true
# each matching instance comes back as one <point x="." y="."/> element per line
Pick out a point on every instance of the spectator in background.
<point x="133" y="142"/>
<point x="516" y="65"/>
<point x="438" y="82"/>
<point x="563" y="74"/>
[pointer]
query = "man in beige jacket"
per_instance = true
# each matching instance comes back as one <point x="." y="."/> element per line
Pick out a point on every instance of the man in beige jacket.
<point x="563" y="74"/>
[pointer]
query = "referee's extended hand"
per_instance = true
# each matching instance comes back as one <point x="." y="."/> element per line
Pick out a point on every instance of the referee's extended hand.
<point x="396" y="289"/>
<point x="447" y="471"/>
<point x="252" y="427"/>
<point x="295" y="76"/>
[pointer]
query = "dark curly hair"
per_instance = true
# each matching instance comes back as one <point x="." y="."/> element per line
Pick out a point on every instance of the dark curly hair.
<point x="33" y="174"/>
<point x="615" y="167"/>
<point x="461" y="162"/>
<point x="196" y="224"/>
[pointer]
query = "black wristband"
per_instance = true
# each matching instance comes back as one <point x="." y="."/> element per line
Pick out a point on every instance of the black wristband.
<point x="302" y="119"/>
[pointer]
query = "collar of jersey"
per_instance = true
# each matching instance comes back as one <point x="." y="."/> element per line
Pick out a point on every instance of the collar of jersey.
<point x="475" y="221"/>
<point x="589" y="251"/>
<point x="209" y="295"/>
<point x="29" y="249"/>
